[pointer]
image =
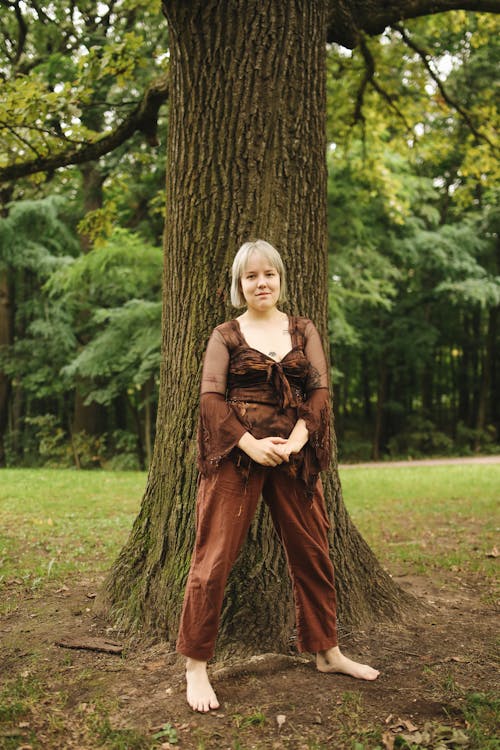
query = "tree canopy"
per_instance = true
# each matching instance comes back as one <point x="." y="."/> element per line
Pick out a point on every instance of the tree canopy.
<point x="413" y="223"/>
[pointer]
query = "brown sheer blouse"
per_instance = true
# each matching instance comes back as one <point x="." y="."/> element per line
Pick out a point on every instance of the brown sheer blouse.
<point x="245" y="390"/>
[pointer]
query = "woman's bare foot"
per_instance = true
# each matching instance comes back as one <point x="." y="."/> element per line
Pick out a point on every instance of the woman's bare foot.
<point x="333" y="660"/>
<point x="200" y="693"/>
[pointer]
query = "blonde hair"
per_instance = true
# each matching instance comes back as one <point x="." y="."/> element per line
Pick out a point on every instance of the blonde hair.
<point x="240" y="262"/>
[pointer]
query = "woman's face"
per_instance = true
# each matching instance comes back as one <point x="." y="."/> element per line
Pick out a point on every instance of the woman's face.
<point x="260" y="283"/>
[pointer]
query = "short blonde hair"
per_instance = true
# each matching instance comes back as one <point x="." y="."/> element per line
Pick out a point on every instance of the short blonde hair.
<point x="240" y="262"/>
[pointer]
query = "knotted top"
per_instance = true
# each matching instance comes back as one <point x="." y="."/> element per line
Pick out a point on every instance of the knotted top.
<point x="244" y="389"/>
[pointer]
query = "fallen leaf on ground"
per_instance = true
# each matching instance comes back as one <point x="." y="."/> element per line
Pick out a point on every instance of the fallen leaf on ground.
<point x="388" y="740"/>
<point x="409" y="725"/>
<point x="280" y="719"/>
<point x="494" y="552"/>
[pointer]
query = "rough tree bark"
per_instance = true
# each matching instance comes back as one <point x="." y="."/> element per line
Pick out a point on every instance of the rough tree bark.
<point x="246" y="158"/>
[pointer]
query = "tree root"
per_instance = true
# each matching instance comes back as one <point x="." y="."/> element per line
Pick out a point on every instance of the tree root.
<point x="259" y="664"/>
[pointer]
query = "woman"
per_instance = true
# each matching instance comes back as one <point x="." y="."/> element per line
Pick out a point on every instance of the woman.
<point x="264" y="429"/>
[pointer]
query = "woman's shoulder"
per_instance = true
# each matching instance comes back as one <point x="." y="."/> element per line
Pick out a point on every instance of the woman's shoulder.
<point x="303" y="324"/>
<point x="228" y="331"/>
<point x="228" y="325"/>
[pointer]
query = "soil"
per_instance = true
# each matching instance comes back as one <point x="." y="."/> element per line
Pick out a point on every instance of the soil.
<point x="428" y="664"/>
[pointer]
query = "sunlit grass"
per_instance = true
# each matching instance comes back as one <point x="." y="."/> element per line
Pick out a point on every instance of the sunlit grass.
<point x="425" y="517"/>
<point x="60" y="523"/>
<point x="57" y="523"/>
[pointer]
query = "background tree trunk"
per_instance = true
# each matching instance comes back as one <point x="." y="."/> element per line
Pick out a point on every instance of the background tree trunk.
<point x="89" y="418"/>
<point x="6" y="338"/>
<point x="246" y="158"/>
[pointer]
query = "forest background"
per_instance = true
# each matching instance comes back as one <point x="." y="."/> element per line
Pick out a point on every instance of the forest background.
<point x="414" y="286"/>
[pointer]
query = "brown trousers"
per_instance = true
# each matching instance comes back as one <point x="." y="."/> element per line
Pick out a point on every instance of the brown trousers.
<point x="226" y="504"/>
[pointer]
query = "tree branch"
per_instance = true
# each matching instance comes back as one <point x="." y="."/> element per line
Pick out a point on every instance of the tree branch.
<point x="19" y="137"/>
<point x="144" y="118"/>
<point x="348" y="18"/>
<point x="22" y="32"/>
<point x="369" y="78"/>
<point x="452" y="103"/>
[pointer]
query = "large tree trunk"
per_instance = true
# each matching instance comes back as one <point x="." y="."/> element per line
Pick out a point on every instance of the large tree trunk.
<point x="246" y="158"/>
<point x="6" y="339"/>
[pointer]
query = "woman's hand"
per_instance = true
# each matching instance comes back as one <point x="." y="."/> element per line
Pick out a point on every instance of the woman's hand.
<point x="287" y="448"/>
<point x="264" y="451"/>
<point x="296" y="441"/>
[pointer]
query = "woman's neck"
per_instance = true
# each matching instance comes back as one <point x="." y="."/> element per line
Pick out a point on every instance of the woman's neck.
<point x="264" y="316"/>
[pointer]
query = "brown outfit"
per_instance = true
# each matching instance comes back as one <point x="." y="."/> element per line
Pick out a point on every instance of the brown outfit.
<point x="243" y="390"/>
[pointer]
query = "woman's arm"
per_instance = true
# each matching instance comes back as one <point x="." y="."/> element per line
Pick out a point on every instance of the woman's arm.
<point x="219" y="428"/>
<point x="313" y="424"/>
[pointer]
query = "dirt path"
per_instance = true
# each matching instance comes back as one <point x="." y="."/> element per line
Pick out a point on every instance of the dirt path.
<point x="425" y="462"/>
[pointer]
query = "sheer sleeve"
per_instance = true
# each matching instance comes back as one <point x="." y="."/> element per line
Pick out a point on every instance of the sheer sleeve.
<point x="219" y="429"/>
<point x="315" y="410"/>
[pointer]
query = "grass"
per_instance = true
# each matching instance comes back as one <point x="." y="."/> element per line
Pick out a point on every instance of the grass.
<point x="61" y="523"/>
<point x="57" y="523"/>
<point x="427" y="517"/>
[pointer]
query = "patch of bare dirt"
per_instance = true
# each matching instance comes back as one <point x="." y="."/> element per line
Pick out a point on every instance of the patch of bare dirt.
<point x="427" y="664"/>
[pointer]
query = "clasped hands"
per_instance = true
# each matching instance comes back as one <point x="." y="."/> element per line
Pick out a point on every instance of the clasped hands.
<point x="269" y="451"/>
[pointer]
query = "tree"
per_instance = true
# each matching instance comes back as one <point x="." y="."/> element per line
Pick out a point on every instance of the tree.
<point x="78" y="81"/>
<point x="65" y="71"/>
<point x="246" y="156"/>
<point x="411" y="225"/>
<point x="35" y="239"/>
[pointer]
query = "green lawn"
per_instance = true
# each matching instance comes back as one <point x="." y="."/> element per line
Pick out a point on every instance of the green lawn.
<point x="57" y="523"/>
<point x="427" y="517"/>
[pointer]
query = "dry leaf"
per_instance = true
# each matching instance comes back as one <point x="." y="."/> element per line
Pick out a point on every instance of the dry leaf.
<point x="494" y="552"/>
<point x="398" y="725"/>
<point x="280" y="719"/>
<point x="409" y="725"/>
<point x="388" y="740"/>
